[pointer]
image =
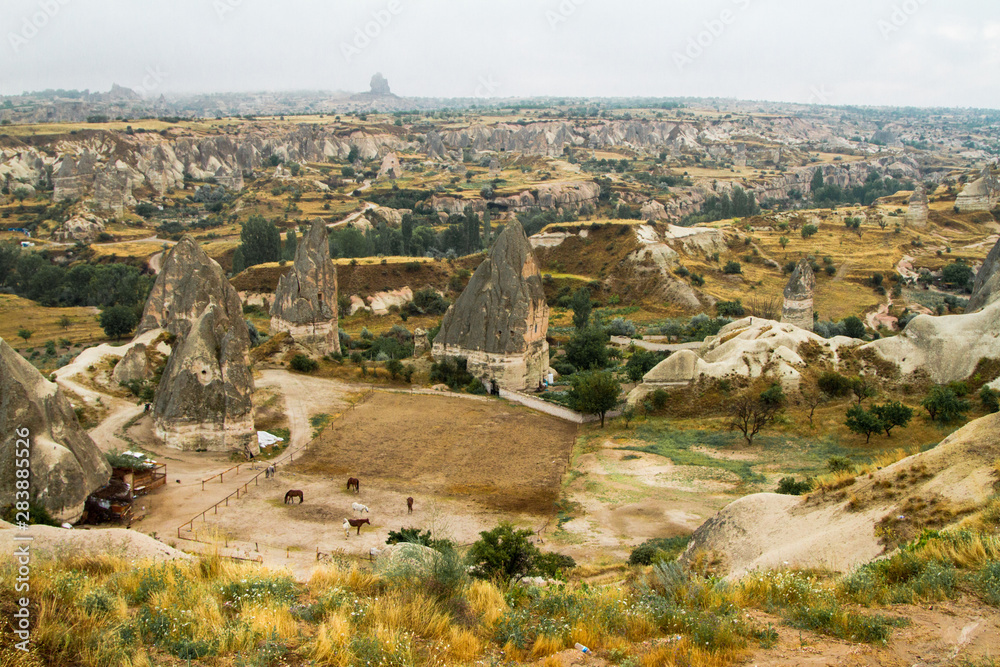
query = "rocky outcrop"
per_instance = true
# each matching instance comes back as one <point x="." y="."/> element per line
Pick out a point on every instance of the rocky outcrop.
<point x="79" y="229"/>
<point x="749" y="348"/>
<point x="380" y="85"/>
<point x="947" y="348"/>
<point x="986" y="289"/>
<point x="500" y="320"/>
<point x="74" y="178"/>
<point x="113" y="189"/>
<point x="390" y="167"/>
<point x="203" y="398"/>
<point x="305" y="303"/>
<point x="982" y="194"/>
<point x="421" y="342"/>
<point x="134" y="366"/>
<point x="918" y="210"/>
<point x="653" y="210"/>
<point x="66" y="466"/>
<point x="569" y="196"/>
<point x="798" y="306"/>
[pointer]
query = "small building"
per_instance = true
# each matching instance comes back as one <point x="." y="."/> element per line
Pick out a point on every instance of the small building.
<point x="114" y="502"/>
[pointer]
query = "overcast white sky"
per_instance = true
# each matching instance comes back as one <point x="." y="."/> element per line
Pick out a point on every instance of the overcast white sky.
<point x="882" y="52"/>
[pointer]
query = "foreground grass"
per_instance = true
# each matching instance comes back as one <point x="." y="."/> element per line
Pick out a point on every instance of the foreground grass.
<point x="105" y="610"/>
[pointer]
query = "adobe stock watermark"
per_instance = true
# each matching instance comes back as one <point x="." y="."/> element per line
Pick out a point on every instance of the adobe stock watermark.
<point x="153" y="79"/>
<point x="819" y="95"/>
<point x="488" y="87"/>
<point x="21" y="618"/>
<point x="34" y="23"/>
<point x="371" y="30"/>
<point x="225" y="7"/>
<point x="567" y="8"/>
<point x="900" y="16"/>
<point x="713" y="30"/>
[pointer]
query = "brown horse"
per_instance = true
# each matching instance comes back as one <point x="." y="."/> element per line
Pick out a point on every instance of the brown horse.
<point x="355" y="482"/>
<point x="357" y="523"/>
<point x="409" y="505"/>
<point x="292" y="495"/>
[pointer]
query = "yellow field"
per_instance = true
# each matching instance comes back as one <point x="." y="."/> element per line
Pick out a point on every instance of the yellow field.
<point x="17" y="313"/>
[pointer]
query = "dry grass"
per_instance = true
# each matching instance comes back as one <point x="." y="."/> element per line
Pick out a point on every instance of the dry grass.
<point x="17" y="313"/>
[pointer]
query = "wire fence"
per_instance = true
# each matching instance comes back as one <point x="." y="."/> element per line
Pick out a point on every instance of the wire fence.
<point x="244" y="488"/>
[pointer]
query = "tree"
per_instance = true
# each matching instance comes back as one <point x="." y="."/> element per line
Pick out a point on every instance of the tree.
<point x="21" y="193"/>
<point x="808" y="230"/>
<point x="813" y="398"/>
<point x="640" y="363"/>
<point x="783" y="241"/>
<point x="348" y="172"/>
<point x="957" y="274"/>
<point x="118" y="321"/>
<point x="406" y="230"/>
<point x="588" y="349"/>
<point x="260" y="241"/>
<point x="353" y="154"/>
<point x="863" y="387"/>
<point x="892" y="414"/>
<point x="303" y="363"/>
<point x="503" y="554"/>
<point x="750" y="412"/>
<point x="581" y="306"/>
<point x="944" y="405"/>
<point x="395" y="367"/>
<point x="854" y="327"/>
<point x="990" y="399"/>
<point x="732" y="267"/>
<point x="595" y="393"/>
<point x="290" y="245"/>
<point x="817" y="182"/>
<point x="65" y="322"/>
<point x="25" y="334"/>
<point x="863" y="422"/>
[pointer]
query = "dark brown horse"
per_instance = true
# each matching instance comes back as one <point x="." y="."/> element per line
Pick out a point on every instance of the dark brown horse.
<point x="409" y="505"/>
<point x="292" y="495"/>
<point x="355" y="482"/>
<point x="357" y="523"/>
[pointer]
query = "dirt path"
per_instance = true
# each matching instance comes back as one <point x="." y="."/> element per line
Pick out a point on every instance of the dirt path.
<point x="842" y="271"/>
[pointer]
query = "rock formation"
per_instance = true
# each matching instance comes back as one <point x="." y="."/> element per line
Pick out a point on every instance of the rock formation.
<point x="771" y="531"/>
<point x="79" y="228"/>
<point x="134" y="366"/>
<point x="918" y="211"/>
<point x="305" y="303"/>
<point x="380" y="85"/>
<point x="749" y="347"/>
<point x="982" y="194"/>
<point x="947" y="348"/>
<point x="421" y="343"/>
<point x="798" y="307"/>
<point x="390" y="167"/>
<point x="66" y="466"/>
<point x="986" y="289"/>
<point x="500" y="320"/>
<point x="203" y="400"/>
<point x="113" y="190"/>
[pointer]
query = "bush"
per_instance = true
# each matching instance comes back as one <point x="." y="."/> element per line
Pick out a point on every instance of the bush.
<point x="303" y="363"/>
<point x="790" y="487"/>
<point x="552" y="565"/>
<point x="988" y="583"/>
<point x="837" y="464"/>
<point x="834" y="384"/>
<point x="476" y="387"/>
<point x="943" y="405"/>
<point x="658" y="549"/>
<point x="587" y="349"/>
<point x="809" y="230"/>
<point x="990" y="399"/>
<point x="640" y="363"/>
<point x="854" y="327"/>
<point x="730" y="308"/>
<point x="453" y="372"/>
<point x="732" y="267"/>
<point x="621" y="327"/>
<point x="503" y="554"/>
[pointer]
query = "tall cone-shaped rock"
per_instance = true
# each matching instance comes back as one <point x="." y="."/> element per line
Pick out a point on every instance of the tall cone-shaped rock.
<point x="798" y="307"/>
<point x="500" y="321"/>
<point x="918" y="210"/>
<point x="305" y="304"/>
<point x="203" y="400"/>
<point x="986" y="289"/>
<point x="66" y="466"/>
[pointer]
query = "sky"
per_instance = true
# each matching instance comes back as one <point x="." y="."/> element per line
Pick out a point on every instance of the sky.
<point x="866" y="52"/>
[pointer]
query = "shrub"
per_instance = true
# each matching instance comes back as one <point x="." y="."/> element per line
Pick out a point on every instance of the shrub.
<point x="837" y="464"/>
<point x="730" y="309"/>
<point x="303" y="363"/>
<point x="988" y="583"/>
<point x="791" y="487"/>
<point x="990" y="399"/>
<point x="732" y="267"/>
<point x="552" y="565"/>
<point x="854" y="327"/>
<point x="658" y="549"/>
<point x="503" y="554"/>
<point x="834" y="384"/>
<point x="453" y="372"/>
<point x="622" y="327"/>
<point x="943" y="405"/>
<point x="809" y="230"/>
<point x="587" y="349"/>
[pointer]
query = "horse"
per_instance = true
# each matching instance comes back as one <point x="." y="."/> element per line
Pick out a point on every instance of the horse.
<point x="347" y="528"/>
<point x="357" y="523"/>
<point x="269" y="472"/>
<point x="409" y="505"/>
<point x="292" y="495"/>
<point x="355" y="482"/>
<point x="359" y="508"/>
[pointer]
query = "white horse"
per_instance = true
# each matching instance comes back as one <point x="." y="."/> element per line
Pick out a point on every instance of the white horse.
<point x="359" y="508"/>
<point x="347" y="528"/>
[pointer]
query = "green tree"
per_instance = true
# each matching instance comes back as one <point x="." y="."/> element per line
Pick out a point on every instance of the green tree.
<point x="588" y="349"/>
<point x="640" y="363"/>
<point x="239" y="264"/>
<point x="750" y="412"/>
<point x="503" y="554"/>
<point x="260" y="241"/>
<point x="290" y="245"/>
<point x="65" y="322"/>
<point x="595" y="393"/>
<point x="990" y="399"/>
<point x="25" y="334"/>
<point x="353" y="154"/>
<point x="21" y="193"/>
<point x="783" y="241"/>
<point x="118" y="321"/>
<point x="732" y="267"/>
<point x="892" y="414"/>
<point x="406" y="229"/>
<point x="944" y="405"/>
<point x="581" y="306"/>
<point x="863" y="387"/>
<point x="854" y="327"/>
<point x="817" y="182"/>
<point x="863" y="422"/>
<point x="808" y="230"/>
<point x="957" y="274"/>
<point x="348" y="172"/>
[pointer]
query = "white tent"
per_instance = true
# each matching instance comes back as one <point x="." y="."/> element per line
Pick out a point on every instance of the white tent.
<point x="265" y="439"/>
